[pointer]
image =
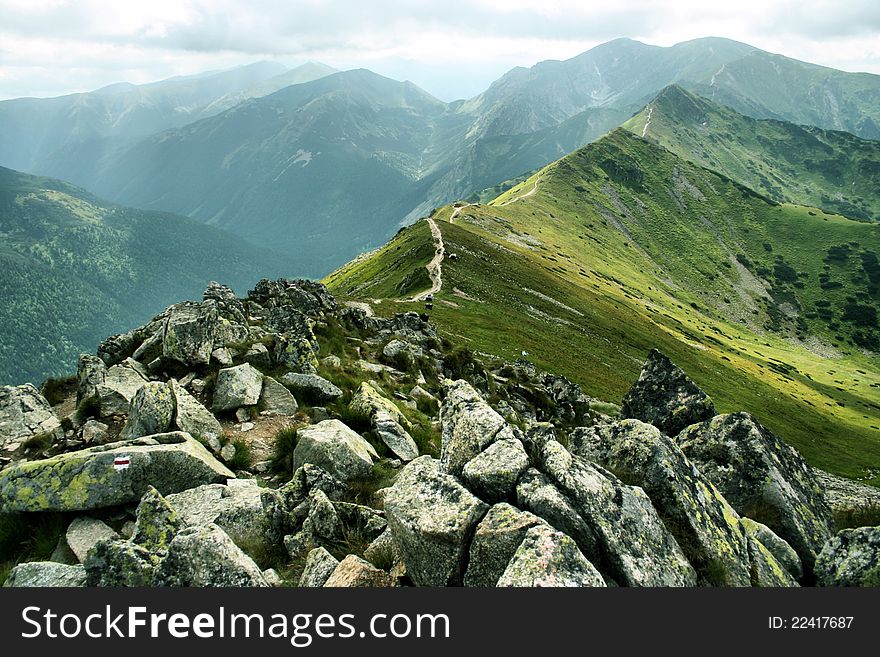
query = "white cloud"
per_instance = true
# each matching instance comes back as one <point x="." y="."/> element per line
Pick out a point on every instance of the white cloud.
<point x="452" y="48"/>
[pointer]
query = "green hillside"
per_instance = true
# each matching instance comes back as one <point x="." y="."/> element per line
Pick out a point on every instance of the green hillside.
<point x="835" y="171"/>
<point x="622" y="247"/>
<point x="74" y="269"/>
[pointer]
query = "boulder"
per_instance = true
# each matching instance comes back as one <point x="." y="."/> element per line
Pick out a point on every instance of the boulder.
<point x="84" y="533"/>
<point x="495" y="541"/>
<point x="297" y="352"/>
<point x="394" y="436"/>
<point x="95" y="432"/>
<point x="320" y="564"/>
<point x="90" y="371"/>
<point x="382" y="552"/>
<point x="188" y="335"/>
<point x="368" y="401"/>
<point x="536" y="493"/>
<point x="151" y="411"/>
<point x="356" y="572"/>
<point x="24" y="414"/>
<point x="851" y="558"/>
<point x="337" y="449"/>
<point x="493" y="473"/>
<point x="704" y="524"/>
<point x="468" y="425"/>
<point x="236" y="387"/>
<point x="258" y="355"/>
<point x="636" y="547"/>
<point x="763" y="478"/>
<point x="313" y="387"/>
<point x="206" y="556"/>
<point x="782" y="551"/>
<point x="277" y="399"/>
<point x="118" y="388"/>
<point x="46" y="573"/>
<point x="766" y="570"/>
<point x="431" y="517"/>
<point x="665" y="397"/>
<point x="549" y="558"/>
<point x="191" y="416"/>
<point x="115" y="562"/>
<point x="236" y="509"/>
<point x="157" y="522"/>
<point x="97" y="477"/>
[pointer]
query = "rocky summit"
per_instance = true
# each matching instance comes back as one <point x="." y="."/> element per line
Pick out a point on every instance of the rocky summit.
<point x="284" y="438"/>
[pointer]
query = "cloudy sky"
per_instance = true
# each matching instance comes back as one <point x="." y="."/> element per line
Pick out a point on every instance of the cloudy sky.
<point x="453" y="48"/>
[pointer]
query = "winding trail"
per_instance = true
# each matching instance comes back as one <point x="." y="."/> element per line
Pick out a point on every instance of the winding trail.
<point x="457" y="211"/>
<point x="435" y="266"/>
<point x="531" y="192"/>
<point x="648" y="120"/>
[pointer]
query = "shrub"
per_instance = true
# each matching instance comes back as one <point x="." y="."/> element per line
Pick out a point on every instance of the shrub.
<point x="285" y="443"/>
<point x="244" y="456"/>
<point x="55" y="390"/>
<point x="88" y="408"/>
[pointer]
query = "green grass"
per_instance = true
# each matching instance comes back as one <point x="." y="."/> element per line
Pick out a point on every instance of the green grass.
<point x="626" y="247"/>
<point x="835" y="171"/>
<point x="282" y="456"/>
<point x="28" y="537"/>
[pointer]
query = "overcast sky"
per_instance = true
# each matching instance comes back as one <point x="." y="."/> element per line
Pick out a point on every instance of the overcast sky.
<point x="453" y="48"/>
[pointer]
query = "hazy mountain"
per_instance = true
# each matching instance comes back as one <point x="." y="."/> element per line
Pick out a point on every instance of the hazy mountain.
<point x="70" y="136"/>
<point x="324" y="169"/>
<point x="623" y="246"/>
<point x="832" y="170"/>
<point x="74" y="269"/>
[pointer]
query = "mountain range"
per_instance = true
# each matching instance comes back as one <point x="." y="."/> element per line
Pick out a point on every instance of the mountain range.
<point x="357" y="154"/>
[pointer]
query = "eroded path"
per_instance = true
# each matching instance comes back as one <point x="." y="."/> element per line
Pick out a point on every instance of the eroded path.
<point x="435" y="267"/>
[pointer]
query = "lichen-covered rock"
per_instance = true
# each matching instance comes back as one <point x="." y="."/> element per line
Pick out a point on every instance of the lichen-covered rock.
<point x="188" y="336"/>
<point x="337" y="449"/>
<point x="95" y="432"/>
<point x="781" y="550"/>
<point x="309" y="476"/>
<point x="115" y="562"/>
<point x="382" y="552"/>
<point x="394" y="436"/>
<point x="277" y="399"/>
<point x="157" y="522"/>
<point x="320" y="564"/>
<point x="206" y="556"/>
<point x="151" y="411"/>
<point x="851" y="558"/>
<point x="46" y="573"/>
<point x="191" y="416"/>
<point x="547" y="557"/>
<point x="766" y="570"/>
<point x="237" y="509"/>
<point x="495" y="541"/>
<point x="493" y="473"/>
<point x="468" y="425"/>
<point x="116" y="391"/>
<point x="536" y="493"/>
<point x="432" y="516"/>
<point x="636" y="547"/>
<point x="236" y="387"/>
<point x="90" y="371"/>
<point x="356" y="572"/>
<point x="297" y="352"/>
<point x="98" y="477"/>
<point x="322" y="522"/>
<point x="704" y="524"/>
<point x="25" y="413"/>
<point x="313" y="387"/>
<point x="368" y="400"/>
<point x="84" y="533"/>
<point x="258" y="355"/>
<point x="763" y="478"/>
<point x="665" y="397"/>
<point x="368" y="522"/>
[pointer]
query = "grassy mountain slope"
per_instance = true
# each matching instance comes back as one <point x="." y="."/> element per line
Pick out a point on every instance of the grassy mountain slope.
<point x="624" y="247"/>
<point x="835" y="171"/>
<point x="74" y="269"/>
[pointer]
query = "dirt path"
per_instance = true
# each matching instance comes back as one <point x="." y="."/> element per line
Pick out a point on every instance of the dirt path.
<point x="435" y="266"/>
<point x="367" y="308"/>
<point x="647" y="121"/>
<point x="457" y="211"/>
<point x="531" y="192"/>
